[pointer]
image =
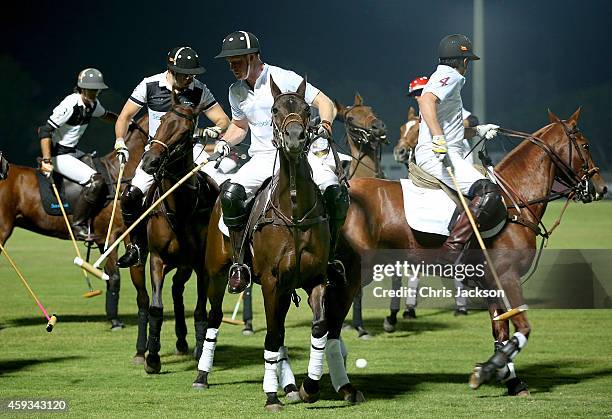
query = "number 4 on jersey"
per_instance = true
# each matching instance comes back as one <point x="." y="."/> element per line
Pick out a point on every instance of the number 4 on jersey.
<point x="444" y="81"/>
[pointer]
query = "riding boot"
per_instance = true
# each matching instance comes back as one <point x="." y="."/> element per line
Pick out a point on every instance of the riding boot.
<point x="87" y="206"/>
<point x="132" y="207"/>
<point x="337" y="201"/>
<point x="461" y="233"/>
<point x="233" y="199"/>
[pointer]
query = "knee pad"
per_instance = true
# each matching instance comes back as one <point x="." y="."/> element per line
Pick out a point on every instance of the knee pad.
<point x="94" y="188"/>
<point x="337" y="201"/>
<point x="131" y="203"/>
<point x="491" y="209"/>
<point x="233" y="199"/>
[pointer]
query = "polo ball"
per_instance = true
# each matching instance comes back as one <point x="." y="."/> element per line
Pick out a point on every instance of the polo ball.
<point x="361" y="363"/>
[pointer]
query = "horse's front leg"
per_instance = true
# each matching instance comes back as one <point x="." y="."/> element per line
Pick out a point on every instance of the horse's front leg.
<point x="276" y="305"/>
<point x="156" y="314"/>
<point x="113" y="285"/>
<point x="179" y="280"/>
<point x="310" y="388"/>
<point x="137" y="274"/>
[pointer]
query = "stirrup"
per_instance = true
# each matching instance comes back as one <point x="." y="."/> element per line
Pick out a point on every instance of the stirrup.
<point x="239" y="266"/>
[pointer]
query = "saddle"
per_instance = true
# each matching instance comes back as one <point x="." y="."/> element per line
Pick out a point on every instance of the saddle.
<point x="69" y="191"/>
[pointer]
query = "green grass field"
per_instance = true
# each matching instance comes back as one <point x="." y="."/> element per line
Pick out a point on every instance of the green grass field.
<point x="421" y="370"/>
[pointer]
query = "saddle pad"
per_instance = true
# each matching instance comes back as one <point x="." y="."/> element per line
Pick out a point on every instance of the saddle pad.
<point x="427" y="210"/>
<point x="47" y="197"/>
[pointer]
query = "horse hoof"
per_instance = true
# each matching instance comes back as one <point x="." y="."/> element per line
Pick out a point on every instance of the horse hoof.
<point x="363" y="334"/>
<point x="308" y="397"/>
<point x="388" y="325"/>
<point x="248" y="329"/>
<point x="182" y="348"/>
<point x="201" y="381"/>
<point x="292" y="393"/>
<point x="480" y="375"/>
<point x="274" y="408"/>
<point x="517" y="387"/>
<point x="138" y="359"/>
<point x="152" y="364"/>
<point x="351" y="395"/>
<point x="116" y="325"/>
<point x="409" y="314"/>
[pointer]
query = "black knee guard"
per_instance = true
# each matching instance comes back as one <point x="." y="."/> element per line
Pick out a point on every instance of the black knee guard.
<point x="94" y="188"/>
<point x="131" y="204"/>
<point x="234" y="205"/>
<point x="337" y="204"/>
<point x="491" y="208"/>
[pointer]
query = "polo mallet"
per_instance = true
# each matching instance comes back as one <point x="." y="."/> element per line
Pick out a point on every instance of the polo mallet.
<point x="509" y="311"/>
<point x="51" y="320"/>
<point x="112" y="218"/>
<point x="91" y="292"/>
<point x="233" y="320"/>
<point x="94" y="269"/>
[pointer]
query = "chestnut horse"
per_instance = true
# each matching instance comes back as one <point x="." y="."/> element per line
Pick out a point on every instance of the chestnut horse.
<point x="176" y="234"/>
<point x="20" y="206"/>
<point x="365" y="135"/>
<point x="376" y="220"/>
<point x="291" y="244"/>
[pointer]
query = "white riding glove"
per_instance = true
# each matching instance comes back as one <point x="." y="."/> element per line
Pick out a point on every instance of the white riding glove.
<point x="222" y="147"/>
<point x="486" y="131"/>
<point x="208" y="132"/>
<point x="439" y="146"/>
<point x="122" y="150"/>
<point x="324" y="129"/>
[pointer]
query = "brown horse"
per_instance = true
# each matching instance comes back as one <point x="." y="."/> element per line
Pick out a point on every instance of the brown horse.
<point x="20" y="206"/>
<point x="365" y="134"/>
<point x="409" y="136"/>
<point x="376" y="220"/>
<point x="291" y="243"/>
<point x="176" y="235"/>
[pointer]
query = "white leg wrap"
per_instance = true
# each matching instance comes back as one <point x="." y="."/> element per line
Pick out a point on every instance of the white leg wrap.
<point x="506" y="373"/>
<point x="522" y="341"/>
<point x="270" y="381"/>
<point x="337" y="371"/>
<point x="208" y="350"/>
<point x="283" y="369"/>
<point x="317" y="352"/>
<point x="343" y="351"/>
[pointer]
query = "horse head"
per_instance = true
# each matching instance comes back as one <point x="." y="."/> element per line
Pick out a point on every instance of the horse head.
<point x="363" y="127"/>
<point x="409" y="135"/>
<point x="174" y="137"/>
<point x="572" y="147"/>
<point x="290" y="118"/>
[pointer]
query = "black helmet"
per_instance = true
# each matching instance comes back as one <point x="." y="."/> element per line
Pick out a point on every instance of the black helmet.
<point x="184" y="60"/>
<point x="456" y="46"/>
<point x="91" y="78"/>
<point x="239" y="43"/>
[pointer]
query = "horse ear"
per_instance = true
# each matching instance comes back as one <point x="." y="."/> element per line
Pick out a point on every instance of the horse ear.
<point x="274" y="88"/>
<point x="341" y="110"/>
<point x="358" y="99"/>
<point x="411" y="113"/>
<point x="301" y="91"/>
<point x="575" y="116"/>
<point x="552" y="117"/>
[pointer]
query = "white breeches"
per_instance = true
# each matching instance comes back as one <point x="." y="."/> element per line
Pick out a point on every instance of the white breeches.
<point x="463" y="170"/>
<point x="73" y="168"/>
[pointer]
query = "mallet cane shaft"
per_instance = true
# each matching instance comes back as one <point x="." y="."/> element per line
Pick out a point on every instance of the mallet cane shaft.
<point x="94" y="269"/>
<point x="509" y="310"/>
<point x="74" y="243"/>
<point x="51" y="320"/>
<point x="112" y="218"/>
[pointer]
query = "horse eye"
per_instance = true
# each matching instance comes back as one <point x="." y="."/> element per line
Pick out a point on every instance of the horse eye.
<point x="585" y="146"/>
<point x="274" y="111"/>
<point x="350" y="119"/>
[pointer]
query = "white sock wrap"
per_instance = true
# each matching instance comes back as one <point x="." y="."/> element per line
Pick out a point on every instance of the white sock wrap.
<point x="343" y="351"/>
<point x="208" y="350"/>
<point x="317" y="352"/>
<point x="270" y="381"/>
<point x="506" y="373"/>
<point x="283" y="369"/>
<point x="337" y="372"/>
<point x="522" y="341"/>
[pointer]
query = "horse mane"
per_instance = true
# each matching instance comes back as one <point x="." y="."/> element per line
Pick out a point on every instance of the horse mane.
<point x="510" y="157"/>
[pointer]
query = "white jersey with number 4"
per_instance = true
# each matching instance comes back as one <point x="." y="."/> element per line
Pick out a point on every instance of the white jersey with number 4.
<point x="445" y="83"/>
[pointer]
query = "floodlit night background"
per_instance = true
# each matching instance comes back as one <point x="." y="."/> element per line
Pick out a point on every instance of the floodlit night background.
<point x="538" y="55"/>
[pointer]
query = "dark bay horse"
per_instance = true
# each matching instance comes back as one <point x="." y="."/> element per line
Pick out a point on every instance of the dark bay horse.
<point x="176" y="235"/>
<point x="365" y="135"/>
<point x="291" y="243"/>
<point x="20" y="206"/>
<point x="559" y="150"/>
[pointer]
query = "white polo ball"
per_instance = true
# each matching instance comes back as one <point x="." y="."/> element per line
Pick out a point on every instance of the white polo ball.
<point x="361" y="363"/>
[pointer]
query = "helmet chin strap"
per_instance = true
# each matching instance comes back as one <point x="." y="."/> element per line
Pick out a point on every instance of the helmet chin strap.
<point x="248" y="71"/>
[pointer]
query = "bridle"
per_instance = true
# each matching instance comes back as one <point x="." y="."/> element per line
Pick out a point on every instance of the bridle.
<point x="364" y="138"/>
<point x="291" y="118"/>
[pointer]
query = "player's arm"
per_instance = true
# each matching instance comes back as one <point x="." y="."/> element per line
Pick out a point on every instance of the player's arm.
<point x="429" y="106"/>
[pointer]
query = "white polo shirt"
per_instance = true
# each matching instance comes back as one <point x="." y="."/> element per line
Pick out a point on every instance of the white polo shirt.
<point x="156" y="94"/>
<point x="445" y="83"/>
<point x="256" y="105"/>
<point x="70" y="119"/>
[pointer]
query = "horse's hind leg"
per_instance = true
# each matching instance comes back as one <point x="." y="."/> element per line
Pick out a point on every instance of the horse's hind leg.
<point x="309" y="391"/>
<point x="200" y="320"/>
<point x="180" y="326"/>
<point x="156" y="315"/>
<point x="113" y="286"/>
<point x="137" y="274"/>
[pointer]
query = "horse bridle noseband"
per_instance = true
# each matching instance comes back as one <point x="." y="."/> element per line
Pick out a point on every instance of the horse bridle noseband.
<point x="290" y="118"/>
